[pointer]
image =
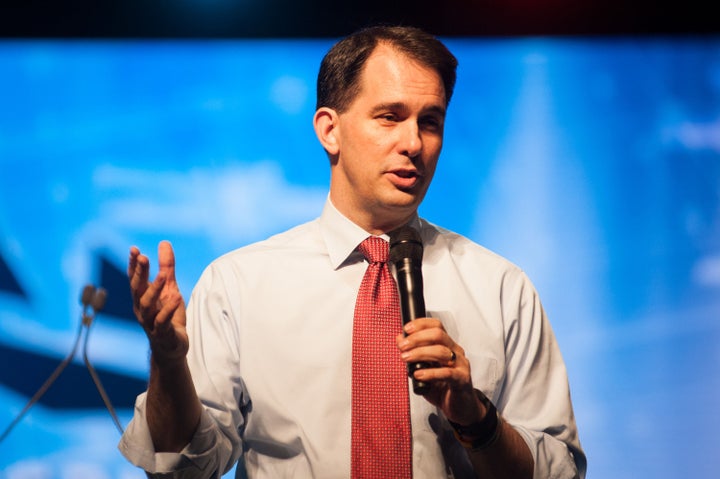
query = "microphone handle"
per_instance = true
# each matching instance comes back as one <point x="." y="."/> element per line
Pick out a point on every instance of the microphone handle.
<point x="412" y="306"/>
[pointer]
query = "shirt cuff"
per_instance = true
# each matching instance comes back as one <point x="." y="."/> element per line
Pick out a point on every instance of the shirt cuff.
<point x="551" y="456"/>
<point x="137" y="447"/>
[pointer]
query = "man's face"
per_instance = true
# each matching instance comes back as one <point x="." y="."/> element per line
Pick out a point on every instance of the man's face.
<point x="388" y="141"/>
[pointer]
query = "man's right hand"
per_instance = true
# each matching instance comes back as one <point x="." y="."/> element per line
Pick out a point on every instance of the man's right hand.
<point x="173" y="409"/>
<point x="158" y="305"/>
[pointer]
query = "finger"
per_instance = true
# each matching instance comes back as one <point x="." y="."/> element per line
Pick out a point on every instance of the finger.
<point x="425" y="337"/>
<point x="420" y="324"/>
<point x="438" y="354"/>
<point x="163" y="318"/>
<point x="166" y="261"/>
<point x="149" y="304"/>
<point x="453" y="377"/>
<point x="138" y="271"/>
<point x="132" y="261"/>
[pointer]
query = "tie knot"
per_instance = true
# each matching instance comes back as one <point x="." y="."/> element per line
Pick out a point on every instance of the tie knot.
<point x="375" y="249"/>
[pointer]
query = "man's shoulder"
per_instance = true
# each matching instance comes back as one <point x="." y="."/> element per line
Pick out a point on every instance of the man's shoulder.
<point x="440" y="241"/>
<point x="303" y="238"/>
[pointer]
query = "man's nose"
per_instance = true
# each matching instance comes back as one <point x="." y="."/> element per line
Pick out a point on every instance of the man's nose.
<point x="410" y="141"/>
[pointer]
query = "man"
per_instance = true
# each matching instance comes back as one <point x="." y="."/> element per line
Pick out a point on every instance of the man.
<point x="266" y="367"/>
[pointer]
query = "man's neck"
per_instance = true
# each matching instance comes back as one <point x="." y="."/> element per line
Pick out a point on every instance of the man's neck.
<point x="376" y="224"/>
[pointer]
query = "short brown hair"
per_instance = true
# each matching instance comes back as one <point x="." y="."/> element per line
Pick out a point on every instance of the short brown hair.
<point x="338" y="81"/>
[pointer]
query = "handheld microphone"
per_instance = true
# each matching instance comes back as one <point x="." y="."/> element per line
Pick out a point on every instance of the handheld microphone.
<point x="406" y="251"/>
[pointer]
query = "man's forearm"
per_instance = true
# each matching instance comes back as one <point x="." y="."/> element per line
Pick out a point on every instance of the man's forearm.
<point x="173" y="408"/>
<point x="507" y="458"/>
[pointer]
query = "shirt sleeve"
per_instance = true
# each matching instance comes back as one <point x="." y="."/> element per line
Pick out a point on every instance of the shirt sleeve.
<point x="198" y="459"/>
<point x="216" y="445"/>
<point x="535" y="398"/>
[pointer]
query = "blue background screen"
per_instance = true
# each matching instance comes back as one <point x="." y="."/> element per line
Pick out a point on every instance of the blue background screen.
<point x="594" y="164"/>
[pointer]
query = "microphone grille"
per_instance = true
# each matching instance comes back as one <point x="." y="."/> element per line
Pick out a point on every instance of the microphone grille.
<point x="405" y="242"/>
<point x="87" y="294"/>
<point x="98" y="301"/>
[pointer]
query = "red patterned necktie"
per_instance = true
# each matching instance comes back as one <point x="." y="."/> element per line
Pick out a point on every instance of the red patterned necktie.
<point x="381" y="438"/>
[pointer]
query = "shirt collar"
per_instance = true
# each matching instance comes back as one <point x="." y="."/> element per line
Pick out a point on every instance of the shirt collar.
<point x="342" y="236"/>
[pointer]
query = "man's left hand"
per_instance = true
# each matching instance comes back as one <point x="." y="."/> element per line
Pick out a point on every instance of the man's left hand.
<point x="451" y="387"/>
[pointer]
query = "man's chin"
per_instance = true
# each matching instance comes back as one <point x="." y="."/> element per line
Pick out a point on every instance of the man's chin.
<point x="413" y="196"/>
<point x="401" y="201"/>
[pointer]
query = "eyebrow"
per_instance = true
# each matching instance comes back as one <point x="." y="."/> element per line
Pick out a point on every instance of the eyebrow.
<point x="402" y="106"/>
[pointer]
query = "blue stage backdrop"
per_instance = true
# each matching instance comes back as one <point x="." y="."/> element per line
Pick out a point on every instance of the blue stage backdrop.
<point x="592" y="163"/>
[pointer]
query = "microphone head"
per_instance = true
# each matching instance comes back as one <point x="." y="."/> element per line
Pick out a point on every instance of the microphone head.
<point x="99" y="298"/>
<point x="405" y="242"/>
<point x="87" y="294"/>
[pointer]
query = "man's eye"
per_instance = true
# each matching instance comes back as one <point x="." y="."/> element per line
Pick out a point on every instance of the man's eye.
<point x="431" y="122"/>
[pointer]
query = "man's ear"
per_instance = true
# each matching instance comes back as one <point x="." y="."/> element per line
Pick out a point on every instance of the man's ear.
<point x="327" y="128"/>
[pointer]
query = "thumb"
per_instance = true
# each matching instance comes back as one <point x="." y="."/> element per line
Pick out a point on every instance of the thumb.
<point x="166" y="261"/>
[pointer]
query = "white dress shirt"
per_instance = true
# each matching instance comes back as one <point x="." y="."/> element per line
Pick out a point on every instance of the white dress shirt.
<point x="270" y="329"/>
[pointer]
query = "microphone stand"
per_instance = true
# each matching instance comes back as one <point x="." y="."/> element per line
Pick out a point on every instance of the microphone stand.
<point x="93" y="301"/>
<point x="46" y="385"/>
<point x="91" y="369"/>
